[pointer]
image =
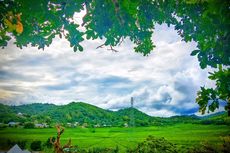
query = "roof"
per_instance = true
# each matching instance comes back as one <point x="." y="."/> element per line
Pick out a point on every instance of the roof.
<point x="39" y="124"/>
<point x="12" y="123"/>
<point x="15" y="149"/>
<point x="25" y="151"/>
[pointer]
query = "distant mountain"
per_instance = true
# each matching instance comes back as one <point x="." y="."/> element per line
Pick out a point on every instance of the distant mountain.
<point x="213" y="115"/>
<point x="92" y="115"/>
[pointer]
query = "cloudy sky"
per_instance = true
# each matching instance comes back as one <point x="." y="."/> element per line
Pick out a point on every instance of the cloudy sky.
<point x="164" y="83"/>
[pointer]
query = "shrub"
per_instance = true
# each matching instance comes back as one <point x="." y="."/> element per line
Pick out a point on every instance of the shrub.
<point x="226" y="145"/>
<point x="205" y="147"/>
<point x="29" y="125"/>
<point x="21" y="144"/>
<point x="48" y="144"/>
<point x="154" y="145"/>
<point x="3" y="125"/>
<point x="36" y="146"/>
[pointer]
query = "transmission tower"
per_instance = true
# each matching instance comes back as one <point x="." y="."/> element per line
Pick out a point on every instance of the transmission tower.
<point x="132" y="119"/>
<point x="131" y="102"/>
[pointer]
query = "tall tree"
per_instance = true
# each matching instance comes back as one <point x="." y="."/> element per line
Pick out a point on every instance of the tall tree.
<point x="204" y="21"/>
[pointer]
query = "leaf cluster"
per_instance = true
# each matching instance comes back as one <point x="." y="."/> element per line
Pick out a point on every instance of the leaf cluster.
<point x="209" y="97"/>
<point x="206" y="22"/>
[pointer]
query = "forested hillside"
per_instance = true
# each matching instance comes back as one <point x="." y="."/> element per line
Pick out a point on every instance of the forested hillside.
<point x="80" y="113"/>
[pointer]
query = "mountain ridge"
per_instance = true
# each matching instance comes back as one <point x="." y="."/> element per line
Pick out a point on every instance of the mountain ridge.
<point x="81" y="113"/>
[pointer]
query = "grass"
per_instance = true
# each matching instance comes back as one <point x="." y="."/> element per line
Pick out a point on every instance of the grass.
<point x="181" y="134"/>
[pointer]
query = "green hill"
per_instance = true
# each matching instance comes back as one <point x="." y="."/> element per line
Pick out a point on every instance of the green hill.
<point x="79" y="112"/>
<point x="217" y="118"/>
<point x="7" y="114"/>
<point x="134" y="116"/>
<point x="31" y="109"/>
<point x="86" y="114"/>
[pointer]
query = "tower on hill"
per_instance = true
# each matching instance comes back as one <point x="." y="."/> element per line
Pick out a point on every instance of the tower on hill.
<point x="132" y="120"/>
<point x="131" y="101"/>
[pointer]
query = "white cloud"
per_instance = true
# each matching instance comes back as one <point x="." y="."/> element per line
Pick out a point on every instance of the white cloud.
<point x="163" y="84"/>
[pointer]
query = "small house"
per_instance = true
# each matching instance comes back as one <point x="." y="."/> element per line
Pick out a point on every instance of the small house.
<point x="68" y="124"/>
<point x="12" y="124"/>
<point x="76" y="124"/>
<point x="17" y="149"/>
<point x="43" y="125"/>
<point x="19" y="114"/>
<point x="97" y="126"/>
<point x="104" y="125"/>
<point x="126" y="125"/>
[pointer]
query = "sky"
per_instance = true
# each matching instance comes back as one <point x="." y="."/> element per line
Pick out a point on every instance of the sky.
<point x="165" y="83"/>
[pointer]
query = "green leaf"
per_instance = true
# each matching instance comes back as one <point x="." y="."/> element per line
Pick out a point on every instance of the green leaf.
<point x="80" y="48"/>
<point x="194" y="52"/>
<point x="75" y="48"/>
<point x="203" y="65"/>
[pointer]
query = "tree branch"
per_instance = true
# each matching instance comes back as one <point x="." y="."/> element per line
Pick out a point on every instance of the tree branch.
<point x="112" y="49"/>
<point x="51" y="140"/>
<point x="86" y="8"/>
<point x="101" y="46"/>
<point x="68" y="144"/>
<point x="121" y="41"/>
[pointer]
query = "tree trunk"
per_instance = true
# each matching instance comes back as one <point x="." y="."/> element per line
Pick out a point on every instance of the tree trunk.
<point x="56" y="144"/>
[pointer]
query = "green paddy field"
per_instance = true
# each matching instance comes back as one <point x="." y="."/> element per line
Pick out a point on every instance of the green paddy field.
<point x="183" y="135"/>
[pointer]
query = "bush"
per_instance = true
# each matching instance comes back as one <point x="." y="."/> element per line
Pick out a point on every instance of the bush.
<point x="204" y="148"/>
<point x="3" y="125"/>
<point x="29" y="125"/>
<point x="154" y="145"/>
<point x="21" y="144"/>
<point x="48" y="144"/>
<point x="224" y="147"/>
<point x="36" y="146"/>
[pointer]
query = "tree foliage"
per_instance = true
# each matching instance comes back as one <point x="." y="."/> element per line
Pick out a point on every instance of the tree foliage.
<point x="36" y="145"/>
<point x="37" y="23"/>
<point x="154" y="145"/>
<point x="206" y="147"/>
<point x="203" y="21"/>
<point x="209" y="97"/>
<point x="29" y="125"/>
